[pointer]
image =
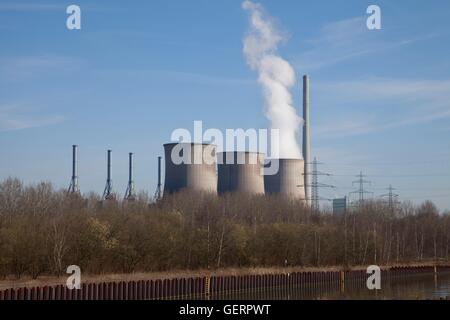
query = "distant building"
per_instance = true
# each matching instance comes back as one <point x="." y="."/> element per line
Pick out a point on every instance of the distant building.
<point x="339" y="206"/>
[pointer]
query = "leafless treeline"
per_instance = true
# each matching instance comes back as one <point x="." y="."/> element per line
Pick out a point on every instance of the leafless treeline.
<point x="42" y="231"/>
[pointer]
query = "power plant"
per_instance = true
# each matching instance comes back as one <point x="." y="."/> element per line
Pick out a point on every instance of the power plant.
<point x="197" y="167"/>
<point x="240" y="172"/>
<point x="190" y="166"/>
<point x="288" y="181"/>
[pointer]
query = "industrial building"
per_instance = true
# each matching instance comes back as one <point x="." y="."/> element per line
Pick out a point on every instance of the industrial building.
<point x="288" y="181"/>
<point x="339" y="206"/>
<point x="240" y="172"/>
<point x="196" y="171"/>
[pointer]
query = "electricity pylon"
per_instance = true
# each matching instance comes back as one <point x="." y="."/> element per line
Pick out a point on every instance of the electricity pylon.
<point x="361" y="191"/>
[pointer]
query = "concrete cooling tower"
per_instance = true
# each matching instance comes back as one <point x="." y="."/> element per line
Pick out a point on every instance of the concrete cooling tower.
<point x="240" y="172"/>
<point x="288" y="181"/>
<point x="190" y="166"/>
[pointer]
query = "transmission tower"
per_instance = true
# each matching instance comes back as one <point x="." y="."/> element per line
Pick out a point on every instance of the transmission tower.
<point x="392" y="197"/>
<point x="316" y="185"/>
<point x="361" y="191"/>
<point x="158" y="192"/>
<point x="129" y="193"/>
<point x="74" y="187"/>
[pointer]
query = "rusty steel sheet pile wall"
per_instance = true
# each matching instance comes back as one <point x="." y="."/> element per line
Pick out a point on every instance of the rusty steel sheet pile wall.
<point x="214" y="287"/>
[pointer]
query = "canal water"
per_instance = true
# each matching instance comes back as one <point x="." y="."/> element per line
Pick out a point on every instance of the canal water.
<point x="413" y="287"/>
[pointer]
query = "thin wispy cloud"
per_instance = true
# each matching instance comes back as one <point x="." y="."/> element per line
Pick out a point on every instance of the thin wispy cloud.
<point x="40" y="61"/>
<point x="414" y="102"/>
<point x="14" y="118"/>
<point x="391" y="88"/>
<point x="25" y="67"/>
<point x="173" y="76"/>
<point x="355" y="127"/>
<point x="204" y="78"/>
<point x="344" y="127"/>
<point x="418" y="119"/>
<point x="17" y="68"/>
<point x="30" y="6"/>
<point x="344" y="40"/>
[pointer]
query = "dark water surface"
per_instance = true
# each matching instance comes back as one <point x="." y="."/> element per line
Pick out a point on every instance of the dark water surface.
<point x="423" y="286"/>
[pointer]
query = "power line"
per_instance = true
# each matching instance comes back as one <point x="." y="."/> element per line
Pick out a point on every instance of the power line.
<point x="402" y="189"/>
<point x="428" y="197"/>
<point x="316" y="185"/>
<point x="361" y="191"/>
<point x="398" y="175"/>
<point x="392" y="197"/>
<point x="392" y="163"/>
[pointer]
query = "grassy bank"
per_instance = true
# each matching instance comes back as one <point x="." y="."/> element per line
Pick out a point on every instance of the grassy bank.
<point x="10" y="282"/>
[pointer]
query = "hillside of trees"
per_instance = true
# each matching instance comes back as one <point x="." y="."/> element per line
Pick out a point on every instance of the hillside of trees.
<point x="42" y="231"/>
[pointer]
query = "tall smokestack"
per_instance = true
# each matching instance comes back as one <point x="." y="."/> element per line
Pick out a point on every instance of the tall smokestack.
<point x="129" y="193"/>
<point x="159" y="172"/>
<point x="158" y="192"/>
<point x="109" y="167"/>
<point x="130" y="167"/>
<point x="73" y="187"/>
<point x="306" y="140"/>
<point x="107" y="194"/>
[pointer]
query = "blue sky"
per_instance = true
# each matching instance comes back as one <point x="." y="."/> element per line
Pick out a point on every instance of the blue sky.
<point x="137" y="70"/>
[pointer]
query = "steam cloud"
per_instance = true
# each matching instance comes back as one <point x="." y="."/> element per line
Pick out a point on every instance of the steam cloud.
<point x="276" y="77"/>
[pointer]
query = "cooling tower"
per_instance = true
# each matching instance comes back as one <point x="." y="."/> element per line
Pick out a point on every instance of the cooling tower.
<point x="288" y="181"/>
<point x="240" y="172"/>
<point x="190" y="166"/>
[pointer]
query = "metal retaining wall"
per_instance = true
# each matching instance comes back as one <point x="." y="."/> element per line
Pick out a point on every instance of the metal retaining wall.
<point x="216" y="286"/>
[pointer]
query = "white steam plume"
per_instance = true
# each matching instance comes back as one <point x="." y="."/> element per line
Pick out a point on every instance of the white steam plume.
<point x="276" y="77"/>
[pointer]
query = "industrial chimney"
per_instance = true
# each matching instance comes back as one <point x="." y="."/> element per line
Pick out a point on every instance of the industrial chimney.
<point x="74" y="187"/>
<point x="158" y="192"/>
<point x="306" y="141"/>
<point x="129" y="193"/>
<point x="107" y="194"/>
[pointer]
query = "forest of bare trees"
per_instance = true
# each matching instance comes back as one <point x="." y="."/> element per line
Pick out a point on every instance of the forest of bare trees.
<point x="42" y="231"/>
